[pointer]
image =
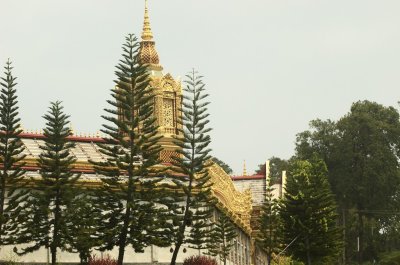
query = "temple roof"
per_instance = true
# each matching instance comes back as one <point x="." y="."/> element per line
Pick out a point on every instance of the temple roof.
<point x="247" y="177"/>
<point x="236" y="204"/>
<point x="85" y="147"/>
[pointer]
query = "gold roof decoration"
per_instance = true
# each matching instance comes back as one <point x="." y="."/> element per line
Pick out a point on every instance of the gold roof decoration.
<point x="235" y="203"/>
<point x="148" y="53"/>
<point x="146" y="34"/>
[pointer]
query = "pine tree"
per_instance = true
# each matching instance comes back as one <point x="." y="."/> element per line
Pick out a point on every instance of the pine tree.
<point x="84" y="222"/>
<point x="194" y="182"/>
<point x="46" y="217"/>
<point x="197" y="239"/>
<point x="11" y="156"/>
<point x="222" y="237"/>
<point x="309" y="214"/>
<point x="269" y="237"/>
<point x="133" y="211"/>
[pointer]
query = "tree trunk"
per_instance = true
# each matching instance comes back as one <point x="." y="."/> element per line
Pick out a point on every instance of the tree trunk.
<point x="124" y="231"/>
<point x="181" y="231"/>
<point x="56" y="237"/>
<point x="53" y="250"/>
<point x="123" y="236"/>
<point x="269" y="260"/>
<point x="360" y="237"/>
<point x="175" y="253"/>
<point x="308" y="251"/>
<point x="2" y="200"/>
<point x="344" y="235"/>
<point x="3" y="191"/>
<point x="84" y="257"/>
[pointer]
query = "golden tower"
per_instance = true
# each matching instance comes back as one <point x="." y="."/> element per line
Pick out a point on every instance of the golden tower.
<point x="167" y="91"/>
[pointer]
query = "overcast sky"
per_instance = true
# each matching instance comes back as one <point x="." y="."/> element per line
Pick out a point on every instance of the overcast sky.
<point x="270" y="66"/>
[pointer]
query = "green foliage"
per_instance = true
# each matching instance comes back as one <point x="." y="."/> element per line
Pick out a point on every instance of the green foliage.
<point x="85" y="222"/>
<point x="222" y="237"/>
<point x="361" y="151"/>
<point x="197" y="238"/>
<point x="283" y="260"/>
<point x="193" y="179"/>
<point x="54" y="191"/>
<point x="309" y="214"/>
<point x="222" y="164"/>
<point x="276" y="166"/>
<point x="132" y="208"/>
<point x="370" y="138"/>
<point x="270" y="236"/>
<point x="390" y="258"/>
<point x="11" y="148"/>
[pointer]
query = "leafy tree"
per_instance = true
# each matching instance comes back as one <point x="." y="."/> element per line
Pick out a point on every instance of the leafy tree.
<point x="222" y="237"/>
<point x="133" y="215"/>
<point x="11" y="148"/>
<point x="361" y="151"/>
<point x="193" y="148"/>
<point x="276" y="166"/>
<point x="367" y="174"/>
<point x="309" y="214"/>
<point x="270" y="238"/>
<point x="46" y="221"/>
<point x="390" y="225"/>
<point x="321" y="140"/>
<point x="222" y="164"/>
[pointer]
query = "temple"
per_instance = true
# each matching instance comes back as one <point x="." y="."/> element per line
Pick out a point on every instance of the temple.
<point x="237" y="202"/>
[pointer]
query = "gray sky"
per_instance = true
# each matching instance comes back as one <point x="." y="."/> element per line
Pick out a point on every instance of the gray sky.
<point x="270" y="66"/>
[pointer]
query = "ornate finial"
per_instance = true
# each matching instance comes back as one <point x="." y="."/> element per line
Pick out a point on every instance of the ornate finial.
<point x="148" y="53"/>
<point x="244" y="168"/>
<point x="146" y="34"/>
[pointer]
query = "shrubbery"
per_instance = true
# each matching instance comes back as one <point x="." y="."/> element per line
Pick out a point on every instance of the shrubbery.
<point x="107" y="260"/>
<point x="200" y="260"/>
<point x="391" y="258"/>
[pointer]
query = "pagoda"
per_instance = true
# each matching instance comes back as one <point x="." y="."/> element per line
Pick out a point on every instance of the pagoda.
<point x="167" y="92"/>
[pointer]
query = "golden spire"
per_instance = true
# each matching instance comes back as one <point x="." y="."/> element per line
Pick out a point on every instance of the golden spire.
<point x="146" y="34"/>
<point x="244" y="168"/>
<point x="148" y="53"/>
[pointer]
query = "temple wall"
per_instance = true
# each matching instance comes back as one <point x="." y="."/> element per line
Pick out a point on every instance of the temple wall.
<point x="240" y="253"/>
<point x="257" y="188"/>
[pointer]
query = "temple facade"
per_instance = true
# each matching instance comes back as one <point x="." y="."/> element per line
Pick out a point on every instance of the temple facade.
<point x="235" y="203"/>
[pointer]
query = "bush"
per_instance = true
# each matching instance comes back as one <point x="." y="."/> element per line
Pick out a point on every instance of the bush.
<point x="390" y="258"/>
<point x="107" y="260"/>
<point x="199" y="260"/>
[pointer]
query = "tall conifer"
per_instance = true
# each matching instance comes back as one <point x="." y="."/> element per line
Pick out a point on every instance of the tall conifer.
<point x="133" y="212"/>
<point x="46" y="217"/>
<point x="222" y="238"/>
<point x="11" y="148"/>
<point x="194" y="182"/>
<point x="269" y="237"/>
<point x="309" y="214"/>
<point x="84" y="220"/>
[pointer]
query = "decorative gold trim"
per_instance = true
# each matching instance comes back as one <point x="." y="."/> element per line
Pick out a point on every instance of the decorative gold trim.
<point x="237" y="204"/>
